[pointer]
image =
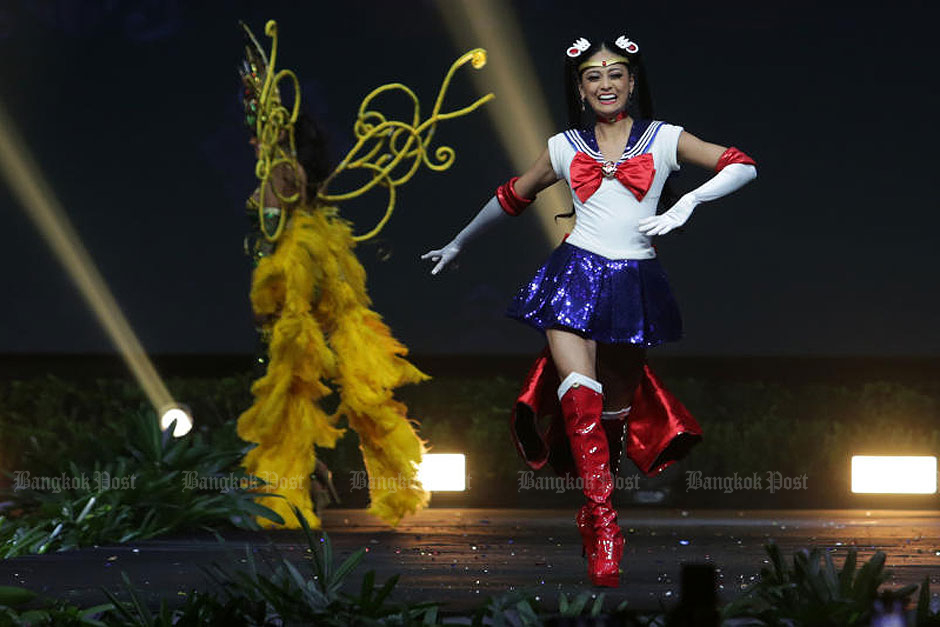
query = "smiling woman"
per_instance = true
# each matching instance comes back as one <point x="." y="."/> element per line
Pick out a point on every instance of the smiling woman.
<point x="606" y="85"/>
<point x="602" y="298"/>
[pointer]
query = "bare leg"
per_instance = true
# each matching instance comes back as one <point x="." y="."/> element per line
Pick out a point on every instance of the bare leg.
<point x="572" y="353"/>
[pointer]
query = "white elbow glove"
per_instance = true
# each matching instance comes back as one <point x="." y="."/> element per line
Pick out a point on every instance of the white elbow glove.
<point x="491" y="213"/>
<point x="732" y="177"/>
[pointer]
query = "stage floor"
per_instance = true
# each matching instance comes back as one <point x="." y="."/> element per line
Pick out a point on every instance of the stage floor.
<point x="458" y="557"/>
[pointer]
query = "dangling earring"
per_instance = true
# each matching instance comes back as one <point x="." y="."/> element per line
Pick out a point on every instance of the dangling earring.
<point x="582" y="104"/>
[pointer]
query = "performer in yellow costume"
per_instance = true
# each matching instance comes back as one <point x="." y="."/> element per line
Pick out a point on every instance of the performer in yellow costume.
<point x="309" y="294"/>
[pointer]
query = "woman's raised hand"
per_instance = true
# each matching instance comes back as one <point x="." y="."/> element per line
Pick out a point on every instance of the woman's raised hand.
<point x="442" y="256"/>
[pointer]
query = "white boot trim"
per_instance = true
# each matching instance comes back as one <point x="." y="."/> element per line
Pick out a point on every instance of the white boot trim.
<point x="576" y="378"/>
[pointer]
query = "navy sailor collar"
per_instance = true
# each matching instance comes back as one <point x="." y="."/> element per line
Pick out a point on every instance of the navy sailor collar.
<point x="641" y="137"/>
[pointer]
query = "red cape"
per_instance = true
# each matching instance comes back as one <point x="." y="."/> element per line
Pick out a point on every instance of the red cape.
<point x="660" y="430"/>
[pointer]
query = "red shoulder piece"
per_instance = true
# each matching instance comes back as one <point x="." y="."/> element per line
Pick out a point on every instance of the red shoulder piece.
<point x="733" y="155"/>
<point x="511" y="202"/>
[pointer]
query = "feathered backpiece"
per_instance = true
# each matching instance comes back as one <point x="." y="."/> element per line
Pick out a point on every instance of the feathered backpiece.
<point x="390" y="151"/>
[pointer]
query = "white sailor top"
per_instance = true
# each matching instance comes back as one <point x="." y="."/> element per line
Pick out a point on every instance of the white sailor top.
<point x="607" y="219"/>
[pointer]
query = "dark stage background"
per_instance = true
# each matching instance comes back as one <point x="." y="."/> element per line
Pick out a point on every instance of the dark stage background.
<point x="132" y="108"/>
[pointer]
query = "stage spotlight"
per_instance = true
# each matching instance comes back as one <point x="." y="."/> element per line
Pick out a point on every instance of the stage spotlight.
<point x="894" y="474"/>
<point x="443" y="472"/>
<point x="183" y="417"/>
<point x="44" y="209"/>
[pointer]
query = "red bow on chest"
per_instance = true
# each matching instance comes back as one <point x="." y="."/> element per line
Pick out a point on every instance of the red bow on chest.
<point x="636" y="174"/>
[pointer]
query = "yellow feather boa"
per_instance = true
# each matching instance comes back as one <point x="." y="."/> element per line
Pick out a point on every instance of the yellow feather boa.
<point x="313" y="288"/>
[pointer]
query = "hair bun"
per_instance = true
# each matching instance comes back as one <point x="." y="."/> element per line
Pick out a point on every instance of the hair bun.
<point x="580" y="45"/>
<point x="625" y="43"/>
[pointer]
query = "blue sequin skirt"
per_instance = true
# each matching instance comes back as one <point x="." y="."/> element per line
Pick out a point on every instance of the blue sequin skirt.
<point x="607" y="300"/>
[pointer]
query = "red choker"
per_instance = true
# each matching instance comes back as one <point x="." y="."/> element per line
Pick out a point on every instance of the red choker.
<point x="617" y="118"/>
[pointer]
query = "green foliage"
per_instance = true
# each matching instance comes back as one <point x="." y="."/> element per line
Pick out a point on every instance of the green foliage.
<point x="810" y="592"/>
<point x="286" y="595"/>
<point x="45" y="420"/>
<point x="922" y="614"/>
<point x="153" y="485"/>
<point x="813" y="591"/>
<point x="522" y="608"/>
<point x="49" y="612"/>
<point x="578" y="605"/>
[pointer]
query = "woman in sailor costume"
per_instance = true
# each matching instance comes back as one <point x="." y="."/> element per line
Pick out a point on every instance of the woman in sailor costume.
<point x="602" y="297"/>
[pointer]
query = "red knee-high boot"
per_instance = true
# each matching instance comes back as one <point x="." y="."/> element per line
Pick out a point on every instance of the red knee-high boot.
<point x="582" y="407"/>
<point x="585" y="522"/>
<point x="615" y="426"/>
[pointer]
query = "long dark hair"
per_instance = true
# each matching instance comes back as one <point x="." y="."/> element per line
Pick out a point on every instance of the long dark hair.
<point x="312" y="153"/>
<point x="640" y="106"/>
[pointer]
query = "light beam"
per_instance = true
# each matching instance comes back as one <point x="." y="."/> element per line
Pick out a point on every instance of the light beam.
<point x="519" y="111"/>
<point x="35" y="195"/>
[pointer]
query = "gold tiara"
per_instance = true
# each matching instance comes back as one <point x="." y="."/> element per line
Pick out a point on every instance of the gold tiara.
<point x="614" y="58"/>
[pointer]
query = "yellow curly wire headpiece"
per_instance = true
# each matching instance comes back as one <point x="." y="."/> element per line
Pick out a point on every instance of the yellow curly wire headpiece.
<point x="273" y="122"/>
<point x="383" y="145"/>
<point x="394" y="142"/>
